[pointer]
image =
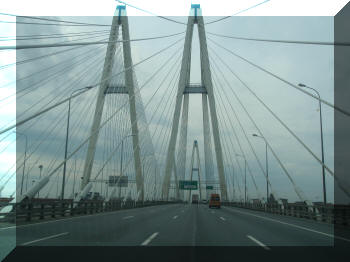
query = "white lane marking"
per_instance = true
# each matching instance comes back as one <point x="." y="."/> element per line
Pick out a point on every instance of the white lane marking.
<point x="175" y="217"/>
<point x="292" y="225"/>
<point x="223" y="219"/>
<point x="258" y="242"/>
<point x="146" y="242"/>
<point x="128" y="217"/>
<point x="71" y="218"/>
<point x="45" y="238"/>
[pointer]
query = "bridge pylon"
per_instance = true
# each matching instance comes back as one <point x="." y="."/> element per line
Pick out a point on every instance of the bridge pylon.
<point x="119" y="19"/>
<point x="184" y="89"/>
<point x="198" y="169"/>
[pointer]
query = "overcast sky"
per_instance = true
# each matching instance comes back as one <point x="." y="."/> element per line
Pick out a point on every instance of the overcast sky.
<point x="308" y="64"/>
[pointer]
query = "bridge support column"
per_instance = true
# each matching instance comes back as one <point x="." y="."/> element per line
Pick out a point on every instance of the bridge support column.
<point x="129" y="83"/>
<point x="184" y="77"/>
<point x="207" y="88"/>
<point x="106" y="73"/>
<point x="208" y="156"/>
<point x="181" y="159"/>
<point x="196" y="151"/>
<point x="207" y="81"/>
<point x="118" y="20"/>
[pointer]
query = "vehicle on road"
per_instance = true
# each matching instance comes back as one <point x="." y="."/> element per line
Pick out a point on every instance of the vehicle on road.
<point x="194" y="199"/>
<point x="204" y="201"/>
<point x="214" y="201"/>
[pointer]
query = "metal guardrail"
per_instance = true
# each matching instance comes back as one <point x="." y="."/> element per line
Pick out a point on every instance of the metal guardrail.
<point x="338" y="214"/>
<point x="41" y="210"/>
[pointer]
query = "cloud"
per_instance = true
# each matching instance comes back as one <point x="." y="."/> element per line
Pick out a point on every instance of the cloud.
<point x="311" y="65"/>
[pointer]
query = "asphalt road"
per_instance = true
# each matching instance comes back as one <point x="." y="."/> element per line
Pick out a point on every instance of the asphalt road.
<point x="176" y="225"/>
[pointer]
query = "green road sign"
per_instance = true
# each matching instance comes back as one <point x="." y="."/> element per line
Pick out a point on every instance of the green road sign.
<point x="188" y="185"/>
<point x="209" y="187"/>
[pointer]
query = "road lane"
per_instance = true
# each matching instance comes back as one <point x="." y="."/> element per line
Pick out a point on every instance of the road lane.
<point x="274" y="233"/>
<point x="105" y="229"/>
<point x="177" y="225"/>
<point x="198" y="227"/>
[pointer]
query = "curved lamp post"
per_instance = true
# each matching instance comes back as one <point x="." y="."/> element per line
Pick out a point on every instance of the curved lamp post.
<point x="323" y="169"/>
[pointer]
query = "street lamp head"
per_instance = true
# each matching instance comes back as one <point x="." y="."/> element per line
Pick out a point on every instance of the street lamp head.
<point x="255" y="135"/>
<point x="301" y="85"/>
<point x="40" y="166"/>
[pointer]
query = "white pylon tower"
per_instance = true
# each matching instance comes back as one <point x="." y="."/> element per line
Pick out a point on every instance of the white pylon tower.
<point x="184" y="89"/>
<point x="198" y="169"/>
<point x="119" y="19"/>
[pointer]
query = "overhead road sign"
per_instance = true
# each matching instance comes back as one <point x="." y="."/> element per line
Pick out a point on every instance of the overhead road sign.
<point x="188" y="185"/>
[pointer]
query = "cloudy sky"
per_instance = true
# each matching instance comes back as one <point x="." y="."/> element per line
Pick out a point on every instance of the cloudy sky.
<point x="65" y="72"/>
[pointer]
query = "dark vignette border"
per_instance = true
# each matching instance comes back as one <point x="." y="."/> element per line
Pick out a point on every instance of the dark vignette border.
<point x="168" y="254"/>
<point x="341" y="122"/>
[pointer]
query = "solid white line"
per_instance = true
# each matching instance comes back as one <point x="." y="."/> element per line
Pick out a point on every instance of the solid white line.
<point x="45" y="238"/>
<point x="258" y="242"/>
<point x="292" y="225"/>
<point x="128" y="217"/>
<point x="146" y="242"/>
<point x="222" y="218"/>
<point x="175" y="217"/>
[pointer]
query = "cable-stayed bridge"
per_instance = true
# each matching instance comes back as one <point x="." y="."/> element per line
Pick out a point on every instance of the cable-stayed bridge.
<point x="102" y="131"/>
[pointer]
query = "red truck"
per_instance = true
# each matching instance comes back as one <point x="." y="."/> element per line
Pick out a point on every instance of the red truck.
<point x="214" y="201"/>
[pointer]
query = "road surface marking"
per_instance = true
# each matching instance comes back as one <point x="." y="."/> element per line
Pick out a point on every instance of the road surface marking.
<point x="212" y="212"/>
<point x="292" y="225"/>
<point x="182" y="211"/>
<point x="222" y="218"/>
<point x="258" y="242"/>
<point x="175" y="217"/>
<point x="128" y="217"/>
<point x="45" y="238"/>
<point x="146" y="242"/>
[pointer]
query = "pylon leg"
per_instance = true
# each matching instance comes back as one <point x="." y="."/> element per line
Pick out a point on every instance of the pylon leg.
<point x="129" y="83"/>
<point x="107" y="69"/>
<point x="208" y="156"/>
<point x="181" y="156"/>
<point x="184" y="78"/>
<point x="207" y="81"/>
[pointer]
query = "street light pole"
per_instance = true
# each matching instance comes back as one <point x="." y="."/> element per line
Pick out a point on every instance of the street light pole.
<point x="267" y="168"/>
<point x="321" y="128"/>
<point x="245" y="181"/>
<point x="67" y="134"/>
<point x="24" y="161"/>
<point x="155" y="183"/>
<point x="40" y="168"/>
<point x="233" y="183"/>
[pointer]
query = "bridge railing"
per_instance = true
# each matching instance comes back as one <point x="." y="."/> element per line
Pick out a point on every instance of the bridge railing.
<point x="53" y="209"/>
<point x="338" y="214"/>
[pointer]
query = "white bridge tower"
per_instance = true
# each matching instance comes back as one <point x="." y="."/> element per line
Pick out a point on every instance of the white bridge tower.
<point x="184" y="89"/>
<point x="119" y="19"/>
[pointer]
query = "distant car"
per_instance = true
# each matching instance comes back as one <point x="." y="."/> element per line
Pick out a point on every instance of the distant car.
<point x="204" y="201"/>
<point x="194" y="199"/>
<point x="214" y="201"/>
